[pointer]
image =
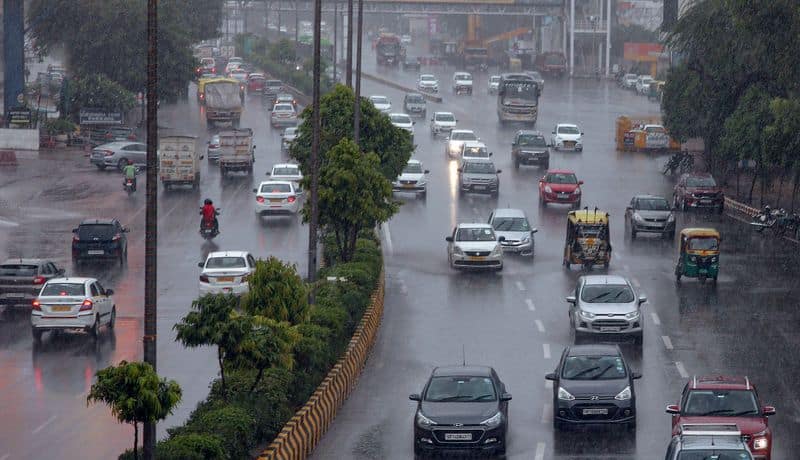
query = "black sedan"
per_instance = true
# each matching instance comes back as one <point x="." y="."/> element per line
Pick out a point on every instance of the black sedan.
<point x="411" y="63"/>
<point x="593" y="385"/>
<point x="461" y="409"/>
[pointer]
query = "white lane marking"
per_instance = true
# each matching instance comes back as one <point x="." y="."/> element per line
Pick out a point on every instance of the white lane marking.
<point x="530" y="304"/>
<point x="539" y="325"/>
<point x="656" y="319"/>
<point x="548" y="384"/>
<point x="626" y="267"/>
<point x="388" y="236"/>
<point x="636" y="282"/>
<point x="546" y="350"/>
<point x="546" y="410"/>
<point x="667" y="342"/>
<point x="521" y="286"/>
<point x="681" y="369"/>
<point x="539" y="451"/>
<point x="43" y="425"/>
<point x="7" y="223"/>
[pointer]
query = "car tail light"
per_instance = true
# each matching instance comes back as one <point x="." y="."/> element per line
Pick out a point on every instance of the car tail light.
<point x="198" y="69"/>
<point x="260" y="199"/>
<point x="202" y="96"/>
<point x="214" y="69"/>
<point x="132" y="137"/>
<point x="291" y="199"/>
<point x="35" y="305"/>
<point x="86" y="305"/>
<point x="246" y="278"/>
<point x="38" y="280"/>
<point x="107" y="153"/>
<point x="204" y="278"/>
<point x="116" y="237"/>
<point x="109" y="136"/>
<point x="75" y="238"/>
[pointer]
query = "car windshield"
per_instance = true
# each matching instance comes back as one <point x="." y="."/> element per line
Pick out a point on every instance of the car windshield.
<point x="404" y="119"/>
<point x="226" y="262"/>
<point x="703" y="244"/>
<point x="594" y="368"/>
<point x="290" y="131"/>
<point x="427" y="78"/>
<point x="463" y="76"/>
<point x="511" y="224"/>
<point x="416" y="99"/>
<point x="379" y="100"/>
<point x="475" y="234"/>
<point x="607" y="293"/>
<point x="62" y="289"/>
<point x="568" y="130"/>
<point x="99" y="231"/>
<point x="285" y="171"/>
<point x="18" y="270"/>
<point x="531" y="140"/>
<point x="714" y="454"/>
<point x="730" y="403"/>
<point x="655" y="129"/>
<point x="630" y="76"/>
<point x="283" y="108"/>
<point x="700" y="182"/>
<point x="463" y="136"/>
<point x="561" y="178"/>
<point x="476" y="152"/>
<point x="274" y="83"/>
<point x="652" y="204"/>
<point x="445" y="117"/>
<point x="479" y="168"/>
<point x="494" y="79"/>
<point x="276" y="188"/>
<point x="413" y="168"/>
<point x="589" y="231"/>
<point x="460" y="389"/>
<point x="520" y="90"/>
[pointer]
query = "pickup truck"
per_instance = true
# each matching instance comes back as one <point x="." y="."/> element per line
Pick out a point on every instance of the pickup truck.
<point x="178" y="161"/>
<point x="237" y="151"/>
<point x="22" y="279"/>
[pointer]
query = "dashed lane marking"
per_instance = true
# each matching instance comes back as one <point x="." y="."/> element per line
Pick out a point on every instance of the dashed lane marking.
<point x="546" y="350"/>
<point x="539" y="451"/>
<point x="388" y="236"/>
<point x="667" y="342"/>
<point x="530" y="304"/>
<point x="546" y="412"/>
<point x="681" y="369"/>
<point x="539" y="325"/>
<point x="656" y="319"/>
<point x="521" y="286"/>
<point x="43" y="425"/>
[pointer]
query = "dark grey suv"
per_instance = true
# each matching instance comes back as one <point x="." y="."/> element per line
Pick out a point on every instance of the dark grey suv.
<point x="100" y="239"/>
<point x="530" y="148"/>
<point x="479" y="176"/>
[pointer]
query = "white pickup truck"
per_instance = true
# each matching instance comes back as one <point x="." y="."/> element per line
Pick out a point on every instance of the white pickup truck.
<point x="236" y="151"/>
<point x="178" y="161"/>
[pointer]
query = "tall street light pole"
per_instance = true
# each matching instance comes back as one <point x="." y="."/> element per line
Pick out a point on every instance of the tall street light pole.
<point x="357" y="106"/>
<point x="335" y="37"/>
<point x="151" y="212"/>
<point x="316" y="126"/>
<point x="349" y="70"/>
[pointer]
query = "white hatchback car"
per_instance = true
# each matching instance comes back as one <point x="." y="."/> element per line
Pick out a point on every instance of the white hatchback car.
<point x="381" y="103"/>
<point x="287" y="136"/>
<point x="277" y="197"/>
<point x="566" y="136"/>
<point x="428" y="83"/>
<point x="72" y="304"/>
<point x="474" y="246"/>
<point x="457" y="137"/>
<point x="474" y="150"/>
<point x="443" y="122"/>
<point x="286" y="171"/>
<point x="403" y="121"/>
<point x="412" y="179"/>
<point x="226" y="272"/>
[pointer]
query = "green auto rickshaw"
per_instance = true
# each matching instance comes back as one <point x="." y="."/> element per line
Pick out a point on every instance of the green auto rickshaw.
<point x="698" y="255"/>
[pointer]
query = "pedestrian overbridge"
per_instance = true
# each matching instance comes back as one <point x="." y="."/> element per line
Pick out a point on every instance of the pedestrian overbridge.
<point x="441" y="7"/>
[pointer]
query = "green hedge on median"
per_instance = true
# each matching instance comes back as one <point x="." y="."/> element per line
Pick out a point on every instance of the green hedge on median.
<point x="236" y="425"/>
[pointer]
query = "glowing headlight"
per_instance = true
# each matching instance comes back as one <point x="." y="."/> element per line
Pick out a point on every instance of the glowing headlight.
<point x="760" y="443"/>
<point x="424" y="421"/>
<point x="493" y="421"/>
<point x="454" y="148"/>
<point x="548" y="189"/>
<point x="633" y="314"/>
<point x="624" y="395"/>
<point x="564" y="395"/>
<point x="587" y="314"/>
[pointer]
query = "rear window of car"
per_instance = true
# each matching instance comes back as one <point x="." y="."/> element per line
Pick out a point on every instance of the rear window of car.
<point x="415" y="99"/>
<point x="226" y="262"/>
<point x="101" y="231"/>
<point x="63" y="289"/>
<point x="464" y="136"/>
<point x="285" y="172"/>
<point x="276" y="188"/>
<point x="19" y="270"/>
<point x="701" y="182"/>
<point x="274" y="83"/>
<point x="445" y="117"/>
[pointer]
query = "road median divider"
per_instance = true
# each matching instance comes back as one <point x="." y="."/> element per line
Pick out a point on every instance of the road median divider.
<point x="733" y="205"/>
<point x="391" y="84"/>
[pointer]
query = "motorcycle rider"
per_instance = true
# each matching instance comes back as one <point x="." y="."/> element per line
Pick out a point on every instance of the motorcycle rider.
<point x="130" y="173"/>
<point x="209" y="214"/>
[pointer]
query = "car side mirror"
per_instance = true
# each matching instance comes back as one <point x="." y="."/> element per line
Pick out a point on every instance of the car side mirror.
<point x="768" y="410"/>
<point x="673" y="409"/>
<point x="449" y="239"/>
<point x="642" y="299"/>
<point x="550" y="376"/>
<point x="628" y="209"/>
<point x="60" y="271"/>
<point x="459" y="170"/>
<point x="427" y="171"/>
<point x="255" y="190"/>
<point x="505" y="397"/>
<point x="580" y="182"/>
<point x="254" y="146"/>
<point x="268" y="173"/>
<point x="200" y="264"/>
<point x="553" y="132"/>
<point x="125" y="230"/>
<point x="415" y="397"/>
<point x="571" y="299"/>
<point x="534" y="230"/>
<point x="581" y="133"/>
<point x="491" y="153"/>
<point x="109" y="292"/>
<point x="499" y="171"/>
<point x="513" y="144"/>
<point x="636" y="375"/>
<point x="501" y="238"/>
<point x="447" y="138"/>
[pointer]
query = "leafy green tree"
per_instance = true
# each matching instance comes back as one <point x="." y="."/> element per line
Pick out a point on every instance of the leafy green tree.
<point x="276" y="292"/>
<point x="135" y="394"/>
<point x="353" y="195"/>
<point x="782" y="137"/>
<point x="268" y="344"/>
<point x="97" y="91"/>
<point x="392" y="145"/>
<point x="283" y="52"/>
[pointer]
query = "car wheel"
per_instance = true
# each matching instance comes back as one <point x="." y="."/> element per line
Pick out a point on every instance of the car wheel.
<point x="121" y="164"/>
<point x="675" y="201"/>
<point x="631" y="426"/>
<point x="579" y="149"/>
<point x="547" y="165"/>
<point x="37" y="334"/>
<point x="683" y="205"/>
<point x="93" y="331"/>
<point x="500" y="268"/>
<point x="638" y="338"/>
<point x="101" y="167"/>
<point x="516" y="163"/>
<point x="633" y="231"/>
<point x="112" y="321"/>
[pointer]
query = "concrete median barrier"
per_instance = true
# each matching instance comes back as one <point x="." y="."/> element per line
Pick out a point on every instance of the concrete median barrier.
<point x="302" y="433"/>
<point x="733" y="205"/>
<point x="391" y="84"/>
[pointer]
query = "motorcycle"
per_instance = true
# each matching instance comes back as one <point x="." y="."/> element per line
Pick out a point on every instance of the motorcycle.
<point x="768" y="218"/>
<point x="207" y="230"/>
<point x="128" y="186"/>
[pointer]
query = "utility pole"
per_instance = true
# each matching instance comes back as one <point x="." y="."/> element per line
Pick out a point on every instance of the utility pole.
<point x="316" y="126"/>
<point x="349" y="70"/>
<point x="335" y="37"/>
<point x="13" y="54"/>
<point x="151" y="213"/>
<point x="357" y="106"/>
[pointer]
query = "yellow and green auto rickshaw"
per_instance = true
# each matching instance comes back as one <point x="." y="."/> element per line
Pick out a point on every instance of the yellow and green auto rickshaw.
<point x="698" y="255"/>
<point x="588" y="239"/>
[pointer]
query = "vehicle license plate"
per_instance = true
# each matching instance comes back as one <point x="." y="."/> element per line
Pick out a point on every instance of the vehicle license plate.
<point x="408" y="185"/>
<point x="227" y="289"/>
<point x="458" y="436"/>
<point x="474" y="258"/>
<point x="95" y="252"/>
<point x="609" y="329"/>
<point x="480" y="187"/>
<point x="595" y="412"/>
<point x="569" y="144"/>
<point x="705" y="201"/>
<point x="225" y="279"/>
<point x="61" y="308"/>
<point x="275" y="200"/>
<point x="563" y="196"/>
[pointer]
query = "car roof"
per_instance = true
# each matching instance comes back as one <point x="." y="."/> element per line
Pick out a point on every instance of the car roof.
<point x="461" y="72"/>
<point x="283" y="104"/>
<point x="604" y="279"/>
<point x="427" y="75"/>
<point x="593" y="350"/>
<point x="377" y="96"/>
<point x="399" y="114"/>
<point x="414" y="161"/>
<point x="285" y="165"/>
<point x="460" y="130"/>
<point x="455" y="371"/>
<point x="227" y="254"/>
<point x="508" y="212"/>
<point x="444" y="113"/>
<point x="473" y="143"/>
<point x="71" y="279"/>
<point x="647" y="195"/>
<point x="560" y="171"/>
<point x="98" y="221"/>
<point x="21" y="261"/>
<point x="560" y="125"/>
<point x="268" y="182"/>
<point x="116" y="144"/>
<point x="415" y="95"/>
<point x="720" y="382"/>
<point x="473" y="225"/>
<point x="529" y="132"/>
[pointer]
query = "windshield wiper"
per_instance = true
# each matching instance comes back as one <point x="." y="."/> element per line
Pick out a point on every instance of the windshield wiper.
<point x="482" y="397"/>
<point x="745" y="412"/>
<point x="585" y="371"/>
<point x="596" y="298"/>
<point x="716" y="412"/>
<point x="603" y="372"/>
<point x="451" y="398"/>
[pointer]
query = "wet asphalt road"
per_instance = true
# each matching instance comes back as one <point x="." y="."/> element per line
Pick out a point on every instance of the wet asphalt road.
<point x="515" y="321"/>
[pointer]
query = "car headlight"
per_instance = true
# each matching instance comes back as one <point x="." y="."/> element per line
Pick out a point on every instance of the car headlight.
<point x="547" y="189"/>
<point x="633" y="314"/>
<point x="526" y="239"/>
<point x="587" y="314"/>
<point x="423" y="421"/>
<point x="624" y="395"/>
<point x="692" y="258"/>
<point x="714" y="259"/>
<point x="577" y="191"/>
<point x="565" y="395"/>
<point x="454" y="148"/>
<point x="760" y="442"/>
<point x="493" y="421"/>
<point x="457" y="250"/>
<point x="671" y="218"/>
<point x="637" y="217"/>
<point x="497" y="250"/>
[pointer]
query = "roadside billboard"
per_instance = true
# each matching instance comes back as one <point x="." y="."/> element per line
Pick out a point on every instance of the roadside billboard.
<point x="642" y="52"/>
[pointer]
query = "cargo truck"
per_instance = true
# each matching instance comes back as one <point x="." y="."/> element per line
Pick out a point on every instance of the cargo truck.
<point x="223" y="98"/>
<point x="237" y="151"/>
<point x="178" y="161"/>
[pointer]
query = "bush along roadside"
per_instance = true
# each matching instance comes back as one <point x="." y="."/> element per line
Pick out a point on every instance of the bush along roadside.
<point x="273" y="350"/>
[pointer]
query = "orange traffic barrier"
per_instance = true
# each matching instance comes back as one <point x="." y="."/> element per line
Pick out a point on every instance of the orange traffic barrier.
<point x="8" y="158"/>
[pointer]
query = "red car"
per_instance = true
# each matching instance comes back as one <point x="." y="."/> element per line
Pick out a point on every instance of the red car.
<point x="698" y="190"/>
<point x="723" y="399"/>
<point x="560" y="186"/>
<point x="256" y="83"/>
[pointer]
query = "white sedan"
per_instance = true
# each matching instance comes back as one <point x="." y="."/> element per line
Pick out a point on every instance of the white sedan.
<point x="566" y="136"/>
<point x="412" y="179"/>
<point x="287" y="136"/>
<point x="277" y="197"/>
<point x="226" y="272"/>
<point x="381" y="103"/>
<point x="453" y="143"/>
<point x="428" y="82"/>
<point x="72" y="304"/>
<point x="403" y="121"/>
<point x="443" y="122"/>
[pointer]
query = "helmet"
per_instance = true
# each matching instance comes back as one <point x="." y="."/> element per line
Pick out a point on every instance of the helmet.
<point x="130" y="162"/>
<point x="208" y="201"/>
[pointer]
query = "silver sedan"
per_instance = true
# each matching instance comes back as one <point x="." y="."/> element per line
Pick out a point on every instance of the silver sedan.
<point x="605" y="304"/>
